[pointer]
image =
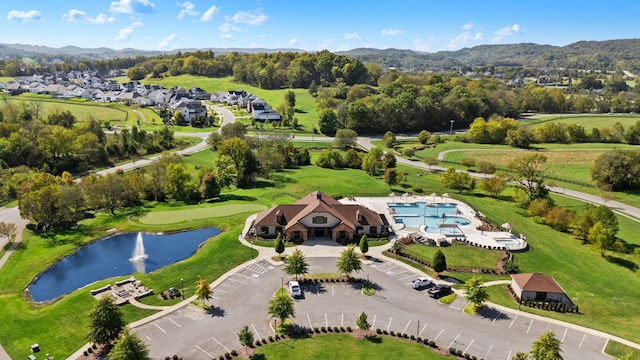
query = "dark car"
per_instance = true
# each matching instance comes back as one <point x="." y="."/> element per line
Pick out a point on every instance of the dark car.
<point x="439" y="291"/>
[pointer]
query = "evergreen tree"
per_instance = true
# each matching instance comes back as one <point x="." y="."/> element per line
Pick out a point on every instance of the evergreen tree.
<point x="279" y="244"/>
<point x="364" y="244"/>
<point x="362" y="321"/>
<point x="439" y="262"/>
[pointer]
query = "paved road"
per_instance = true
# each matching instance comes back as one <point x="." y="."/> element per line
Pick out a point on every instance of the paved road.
<point x="242" y="299"/>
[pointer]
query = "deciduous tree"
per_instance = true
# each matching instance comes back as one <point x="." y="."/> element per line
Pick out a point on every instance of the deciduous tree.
<point x="475" y="292"/>
<point x="296" y="264"/>
<point x="245" y="336"/>
<point x="106" y="321"/>
<point x="348" y="261"/>
<point x="531" y="174"/>
<point x="362" y="321"/>
<point x="281" y="307"/>
<point x="203" y="290"/>
<point x="546" y="347"/>
<point x="129" y="347"/>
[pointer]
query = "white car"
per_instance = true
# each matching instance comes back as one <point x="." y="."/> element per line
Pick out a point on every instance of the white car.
<point x="294" y="289"/>
<point x="421" y="282"/>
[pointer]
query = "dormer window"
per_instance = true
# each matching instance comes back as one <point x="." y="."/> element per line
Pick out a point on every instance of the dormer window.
<point x="319" y="220"/>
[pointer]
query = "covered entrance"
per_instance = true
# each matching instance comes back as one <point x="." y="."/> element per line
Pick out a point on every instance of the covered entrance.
<point x="319" y="233"/>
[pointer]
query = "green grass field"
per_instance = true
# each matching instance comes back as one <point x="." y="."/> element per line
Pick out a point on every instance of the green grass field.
<point x="588" y="121"/>
<point x="173" y="216"/>
<point x="349" y="348"/>
<point x="457" y="255"/>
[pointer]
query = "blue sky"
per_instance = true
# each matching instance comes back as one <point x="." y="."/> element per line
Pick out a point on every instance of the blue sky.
<point x="311" y="25"/>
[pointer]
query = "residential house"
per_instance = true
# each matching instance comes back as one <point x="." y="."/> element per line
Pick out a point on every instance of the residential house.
<point x="537" y="286"/>
<point x="190" y="109"/>
<point x="197" y="93"/>
<point x="261" y="111"/>
<point x="318" y="215"/>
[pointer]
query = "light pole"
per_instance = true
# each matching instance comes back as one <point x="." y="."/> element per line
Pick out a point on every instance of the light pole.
<point x="451" y="128"/>
<point x="182" y="282"/>
<point x="418" y="330"/>
<point x="251" y="249"/>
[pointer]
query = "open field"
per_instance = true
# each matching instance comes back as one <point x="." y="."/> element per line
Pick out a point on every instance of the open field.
<point x="173" y="216"/>
<point x="587" y="120"/>
<point x="326" y="347"/>
<point x="457" y="255"/>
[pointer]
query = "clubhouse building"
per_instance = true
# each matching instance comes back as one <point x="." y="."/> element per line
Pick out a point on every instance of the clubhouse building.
<point x="319" y="216"/>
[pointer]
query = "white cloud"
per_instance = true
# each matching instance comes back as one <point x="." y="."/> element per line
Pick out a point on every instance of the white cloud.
<point x="463" y="39"/>
<point x="227" y="27"/>
<point x="423" y="45"/>
<point x="251" y="17"/>
<point x="74" y="15"/>
<point x="506" y="31"/>
<point x="324" y="45"/>
<point x="24" y="16"/>
<point x="391" y="32"/>
<point x="467" y="26"/>
<point x="188" y="9"/>
<point x="125" y="33"/>
<point x="132" y="6"/>
<point x="351" y="36"/>
<point x="227" y="36"/>
<point x="293" y="41"/>
<point x="165" y="42"/>
<point x="102" y="19"/>
<point x="208" y="15"/>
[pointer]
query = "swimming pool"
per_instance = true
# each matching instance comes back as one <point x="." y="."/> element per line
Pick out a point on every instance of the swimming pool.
<point x="415" y="215"/>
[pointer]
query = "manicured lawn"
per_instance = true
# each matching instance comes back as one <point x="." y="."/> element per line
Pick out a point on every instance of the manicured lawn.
<point x="82" y="110"/>
<point x="457" y="255"/>
<point x="619" y="350"/>
<point x="179" y="215"/>
<point x="588" y="121"/>
<point x="349" y="348"/>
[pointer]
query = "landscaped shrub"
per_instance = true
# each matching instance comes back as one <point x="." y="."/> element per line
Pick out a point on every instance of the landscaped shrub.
<point x="336" y="329"/>
<point x="385" y="332"/>
<point x="270" y="338"/>
<point x="264" y="341"/>
<point x="258" y="343"/>
<point x="90" y="350"/>
<point x="175" y="357"/>
<point x="473" y="357"/>
<point x="94" y="346"/>
<point x="405" y="335"/>
<point x="342" y="329"/>
<point x="323" y="329"/>
<point x="221" y="357"/>
<point x="234" y="352"/>
<point x="227" y="356"/>
<point x="349" y="328"/>
<point x="316" y="330"/>
<point x="452" y="351"/>
<point x="412" y="337"/>
<point x="86" y="353"/>
<point x="432" y="344"/>
<point x="459" y="353"/>
<point x="392" y="333"/>
<point x="467" y="356"/>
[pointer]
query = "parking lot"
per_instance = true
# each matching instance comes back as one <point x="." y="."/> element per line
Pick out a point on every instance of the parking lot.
<point x="243" y="297"/>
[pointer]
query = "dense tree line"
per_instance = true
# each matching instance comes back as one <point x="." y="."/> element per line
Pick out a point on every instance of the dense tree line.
<point x="56" y="143"/>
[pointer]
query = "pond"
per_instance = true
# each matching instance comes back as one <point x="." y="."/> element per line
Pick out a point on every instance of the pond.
<point x="114" y="256"/>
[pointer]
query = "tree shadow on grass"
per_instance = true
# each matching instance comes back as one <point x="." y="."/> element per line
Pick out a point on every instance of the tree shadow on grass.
<point x="373" y="339"/>
<point x="622" y="262"/>
<point x="229" y="197"/>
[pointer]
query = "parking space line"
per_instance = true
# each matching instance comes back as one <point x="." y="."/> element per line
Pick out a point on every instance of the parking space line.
<point x="170" y="319"/>
<point x="468" y="346"/>
<point x="145" y="335"/>
<point x="402" y="272"/>
<point x="509" y="356"/>
<point x="342" y="322"/>
<point x="222" y="291"/>
<point x="227" y="285"/>
<point x="512" y="321"/>
<point x="234" y="280"/>
<point x="388" y="326"/>
<point x="317" y="290"/>
<point x="333" y="290"/>
<point x="440" y="333"/>
<point x="373" y="324"/>
<point x="201" y="349"/>
<point x="486" y="356"/>
<point x="563" y="335"/>
<point x="454" y="340"/>
<point x="406" y="277"/>
<point x="404" y="331"/>
<point x="158" y="326"/>
<point x="244" y="276"/>
<point x="424" y="327"/>
<point x="256" y="331"/>
<point x="310" y="324"/>
<point x="581" y="341"/>
<point x="219" y="343"/>
<point x="215" y="297"/>
<point x="326" y="320"/>
<point x="529" y="328"/>
<point x="495" y="318"/>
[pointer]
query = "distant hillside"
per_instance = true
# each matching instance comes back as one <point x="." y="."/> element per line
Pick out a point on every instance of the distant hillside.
<point x="592" y="55"/>
<point x="596" y="55"/>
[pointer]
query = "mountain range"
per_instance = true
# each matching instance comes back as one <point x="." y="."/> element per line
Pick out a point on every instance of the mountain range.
<point x="592" y="55"/>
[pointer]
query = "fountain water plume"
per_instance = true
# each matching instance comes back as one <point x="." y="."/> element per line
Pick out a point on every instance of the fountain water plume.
<point x="138" y="252"/>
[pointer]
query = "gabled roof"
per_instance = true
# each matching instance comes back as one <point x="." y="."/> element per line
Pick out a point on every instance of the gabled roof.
<point x="537" y="282"/>
<point x="318" y="202"/>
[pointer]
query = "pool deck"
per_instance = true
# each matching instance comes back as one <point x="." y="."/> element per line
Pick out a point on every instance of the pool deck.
<point x="470" y="233"/>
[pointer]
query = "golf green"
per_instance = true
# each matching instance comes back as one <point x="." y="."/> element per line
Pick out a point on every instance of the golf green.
<point x="176" y="216"/>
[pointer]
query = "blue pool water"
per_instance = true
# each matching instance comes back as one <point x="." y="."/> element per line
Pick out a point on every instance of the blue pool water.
<point x="414" y="215"/>
<point x="109" y="257"/>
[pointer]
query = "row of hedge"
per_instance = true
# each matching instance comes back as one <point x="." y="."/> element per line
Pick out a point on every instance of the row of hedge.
<point x="545" y="305"/>
<point x="464" y="269"/>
